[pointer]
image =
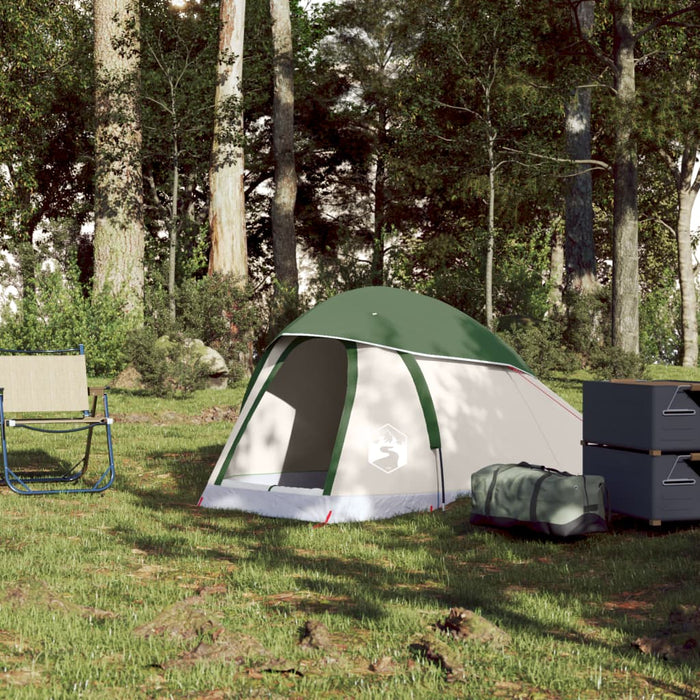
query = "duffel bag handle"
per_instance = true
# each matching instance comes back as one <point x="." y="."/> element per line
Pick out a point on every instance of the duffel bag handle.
<point x="551" y="470"/>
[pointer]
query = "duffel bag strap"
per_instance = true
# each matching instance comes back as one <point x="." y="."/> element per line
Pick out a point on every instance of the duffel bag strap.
<point x="535" y="493"/>
<point x="492" y="486"/>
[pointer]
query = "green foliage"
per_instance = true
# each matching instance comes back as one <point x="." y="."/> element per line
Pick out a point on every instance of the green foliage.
<point x="613" y="363"/>
<point x="213" y="309"/>
<point x="541" y="345"/>
<point x="587" y="322"/>
<point x="224" y="316"/>
<point x="660" y="335"/>
<point x="57" y="314"/>
<point x="45" y="103"/>
<point x="167" y="364"/>
<point x="178" y="80"/>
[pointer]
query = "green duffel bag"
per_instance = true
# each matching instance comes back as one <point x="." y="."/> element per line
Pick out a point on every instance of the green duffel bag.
<point x="540" y="499"/>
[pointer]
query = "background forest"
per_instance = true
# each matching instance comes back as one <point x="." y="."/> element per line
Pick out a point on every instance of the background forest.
<point x="531" y="163"/>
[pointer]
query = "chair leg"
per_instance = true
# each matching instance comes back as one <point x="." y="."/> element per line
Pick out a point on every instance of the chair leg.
<point x="25" y="484"/>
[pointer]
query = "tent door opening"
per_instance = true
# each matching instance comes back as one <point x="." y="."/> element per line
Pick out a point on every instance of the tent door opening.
<point x="312" y="382"/>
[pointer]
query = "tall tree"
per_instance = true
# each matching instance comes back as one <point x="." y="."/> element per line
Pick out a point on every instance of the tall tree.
<point x="119" y="231"/>
<point x="626" y="292"/>
<point x="670" y="99"/>
<point x="579" y="246"/>
<point x="178" y="71"/>
<point x="626" y="288"/>
<point x="46" y="124"/>
<point x="687" y="187"/>
<point x="227" y="225"/>
<point x="479" y="107"/>
<point x="370" y="47"/>
<point x="284" y="198"/>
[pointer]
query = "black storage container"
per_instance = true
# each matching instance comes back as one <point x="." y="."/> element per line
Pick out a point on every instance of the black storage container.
<point x="642" y="415"/>
<point x="655" y="487"/>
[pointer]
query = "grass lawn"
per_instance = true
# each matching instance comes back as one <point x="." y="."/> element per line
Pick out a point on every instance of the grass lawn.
<point x="139" y="593"/>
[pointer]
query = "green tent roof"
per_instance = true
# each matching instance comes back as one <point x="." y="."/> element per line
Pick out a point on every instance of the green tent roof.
<point x="401" y="320"/>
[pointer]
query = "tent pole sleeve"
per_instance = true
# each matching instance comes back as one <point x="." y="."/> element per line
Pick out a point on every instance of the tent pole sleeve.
<point x="425" y="398"/>
<point x="430" y="417"/>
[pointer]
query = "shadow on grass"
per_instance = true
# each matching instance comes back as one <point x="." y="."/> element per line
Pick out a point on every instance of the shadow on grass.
<point x="564" y="589"/>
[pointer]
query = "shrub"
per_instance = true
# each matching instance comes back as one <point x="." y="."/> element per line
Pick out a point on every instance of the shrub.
<point x="540" y="345"/>
<point x="217" y="311"/>
<point x="613" y="363"/>
<point x="55" y="314"/>
<point x="166" y="364"/>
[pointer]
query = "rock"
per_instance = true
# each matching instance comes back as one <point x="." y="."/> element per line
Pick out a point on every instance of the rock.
<point x="218" y="371"/>
<point x="195" y="351"/>
<point x="128" y="378"/>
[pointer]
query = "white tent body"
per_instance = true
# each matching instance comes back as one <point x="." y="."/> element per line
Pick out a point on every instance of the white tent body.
<point x="332" y="430"/>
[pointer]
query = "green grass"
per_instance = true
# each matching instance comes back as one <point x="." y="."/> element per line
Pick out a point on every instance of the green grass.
<point x="107" y="596"/>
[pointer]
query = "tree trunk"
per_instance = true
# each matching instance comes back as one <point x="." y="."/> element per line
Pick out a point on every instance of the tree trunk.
<point x="379" y="228"/>
<point x="689" y="184"/>
<point x="556" y="269"/>
<point x="579" y="247"/>
<point x="625" y="301"/>
<point x="491" y="233"/>
<point x="119" y="231"/>
<point x="283" y="238"/>
<point x="228" y="253"/>
<point x="174" y="222"/>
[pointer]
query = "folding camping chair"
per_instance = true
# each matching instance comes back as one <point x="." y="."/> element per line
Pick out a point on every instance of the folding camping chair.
<point x="47" y="391"/>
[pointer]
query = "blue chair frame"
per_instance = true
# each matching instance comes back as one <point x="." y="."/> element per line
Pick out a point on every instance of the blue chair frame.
<point x="62" y="392"/>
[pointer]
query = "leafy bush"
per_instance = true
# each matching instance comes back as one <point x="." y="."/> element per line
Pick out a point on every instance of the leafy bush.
<point x="56" y="314"/>
<point x="166" y="364"/>
<point x="214" y="310"/>
<point x="660" y="333"/>
<point x="587" y="322"/>
<point x="613" y="363"/>
<point x="540" y="344"/>
<point x="217" y="311"/>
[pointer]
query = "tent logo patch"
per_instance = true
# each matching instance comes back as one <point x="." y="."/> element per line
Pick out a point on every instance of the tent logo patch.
<point x="388" y="449"/>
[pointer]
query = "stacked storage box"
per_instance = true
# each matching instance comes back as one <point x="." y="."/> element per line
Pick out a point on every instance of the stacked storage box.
<point x="644" y="438"/>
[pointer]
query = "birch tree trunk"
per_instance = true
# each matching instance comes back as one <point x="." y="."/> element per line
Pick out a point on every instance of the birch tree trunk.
<point x="556" y="270"/>
<point x="228" y="253"/>
<point x="626" y="294"/>
<point x="491" y="232"/>
<point x="283" y="238"/>
<point x="688" y="187"/>
<point x="119" y="240"/>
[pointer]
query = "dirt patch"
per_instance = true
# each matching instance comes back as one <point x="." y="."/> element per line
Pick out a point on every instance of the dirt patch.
<point x="679" y="640"/>
<point x="183" y="620"/>
<point x="36" y="593"/>
<point x="213" y="414"/>
<point x="222" y="646"/>
<point x="438" y="652"/>
<point x="315" y="635"/>
<point x="188" y="620"/>
<point x="20" y="677"/>
<point x="466" y="625"/>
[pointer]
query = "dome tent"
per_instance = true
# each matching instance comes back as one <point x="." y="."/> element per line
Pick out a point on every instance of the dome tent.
<point x="380" y="401"/>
